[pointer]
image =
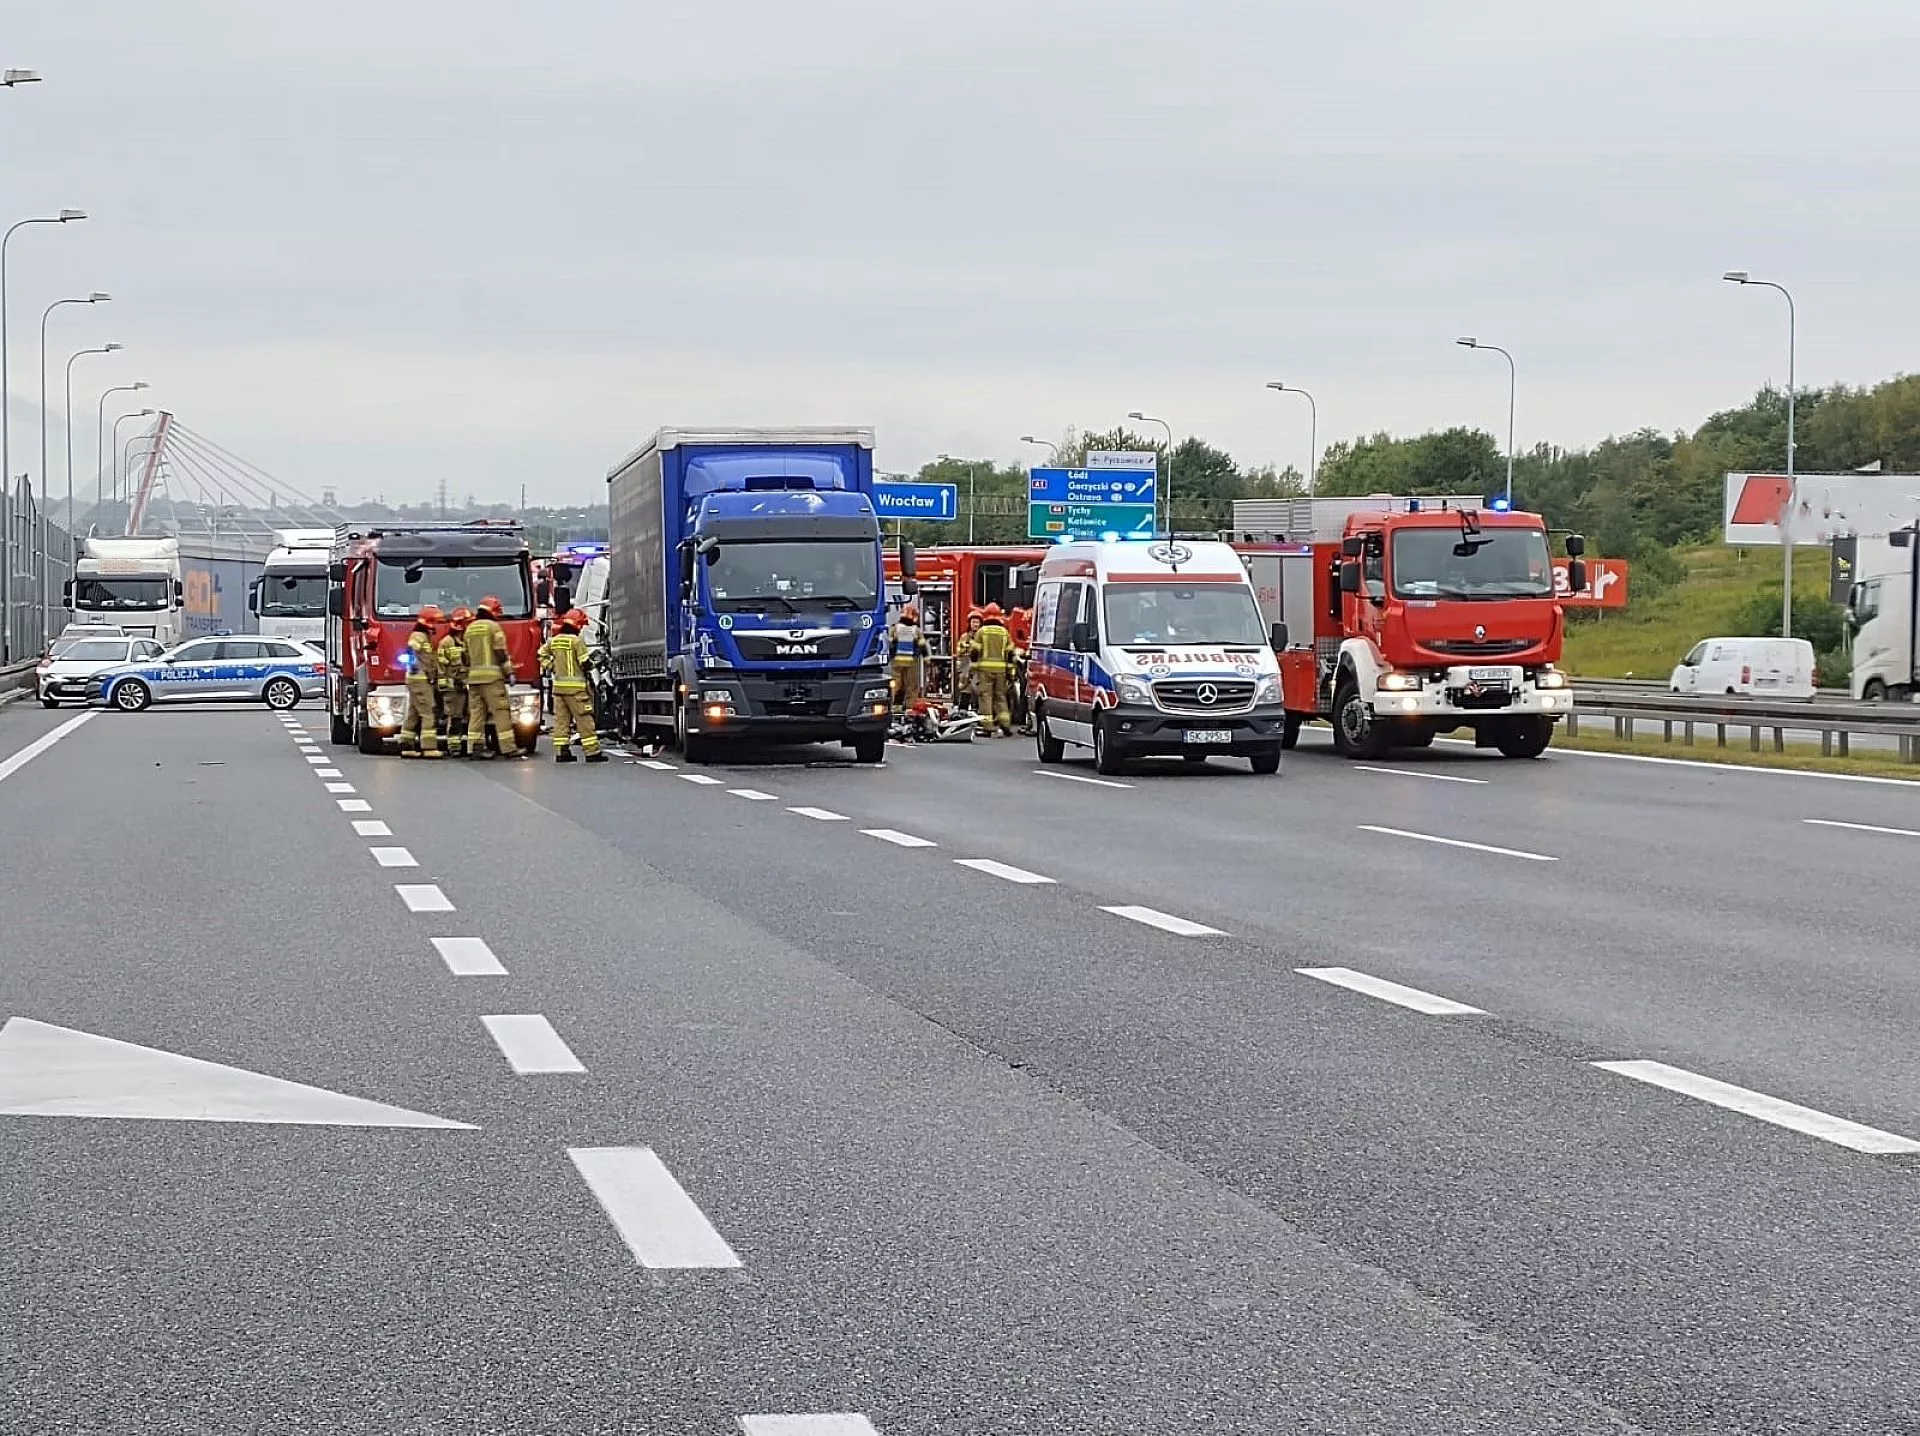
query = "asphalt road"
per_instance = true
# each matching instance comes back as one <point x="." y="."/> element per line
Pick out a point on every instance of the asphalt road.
<point x="845" y="1095"/>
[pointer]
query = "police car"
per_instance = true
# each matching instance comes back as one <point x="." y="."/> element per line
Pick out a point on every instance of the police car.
<point x="223" y="668"/>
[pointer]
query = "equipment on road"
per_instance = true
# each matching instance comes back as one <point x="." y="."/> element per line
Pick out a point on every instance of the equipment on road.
<point x="133" y="582"/>
<point x="1153" y="649"/>
<point x="1416" y="616"/>
<point x="744" y="600"/>
<point x="380" y="575"/>
<point x="927" y="722"/>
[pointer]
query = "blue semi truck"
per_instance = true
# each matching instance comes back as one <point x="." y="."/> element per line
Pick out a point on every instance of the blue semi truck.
<point x="744" y="601"/>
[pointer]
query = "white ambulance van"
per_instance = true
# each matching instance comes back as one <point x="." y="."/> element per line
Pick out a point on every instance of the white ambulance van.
<point x="1153" y="650"/>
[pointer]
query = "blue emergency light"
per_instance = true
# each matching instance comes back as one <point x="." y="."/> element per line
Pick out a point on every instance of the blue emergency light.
<point x="1499" y="505"/>
<point x="1413" y="506"/>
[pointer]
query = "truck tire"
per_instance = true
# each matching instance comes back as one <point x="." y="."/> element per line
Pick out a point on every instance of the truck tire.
<point x="870" y="748"/>
<point x="339" y="730"/>
<point x="365" y="738"/>
<point x="1874" y="692"/>
<point x="1525" y="738"/>
<point x="1417" y="735"/>
<point x="1356" y="734"/>
<point x="1267" y="760"/>
<point x="1109" y="757"/>
<point x="1290" y="730"/>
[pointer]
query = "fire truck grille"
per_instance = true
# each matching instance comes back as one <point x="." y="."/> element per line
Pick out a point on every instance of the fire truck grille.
<point x="1479" y="648"/>
<point x="1210" y="695"/>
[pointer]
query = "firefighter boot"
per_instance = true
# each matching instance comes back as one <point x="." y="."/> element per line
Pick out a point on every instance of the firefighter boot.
<point x="596" y="757"/>
<point x="565" y="755"/>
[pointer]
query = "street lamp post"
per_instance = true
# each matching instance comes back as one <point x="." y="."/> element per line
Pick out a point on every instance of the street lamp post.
<point x="122" y="468"/>
<point x="94" y="297"/>
<point x="1313" y="429"/>
<point x="1513" y="387"/>
<point x="1740" y="276"/>
<point x="1053" y="449"/>
<point x="1149" y="419"/>
<point x="102" y="455"/>
<point x="68" y="411"/>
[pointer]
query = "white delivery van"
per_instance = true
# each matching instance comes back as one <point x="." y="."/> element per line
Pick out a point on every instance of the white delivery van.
<point x="1153" y="649"/>
<point x="1762" y="667"/>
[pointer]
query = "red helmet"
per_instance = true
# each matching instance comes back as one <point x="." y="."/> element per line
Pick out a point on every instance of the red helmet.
<point x="493" y="606"/>
<point x="574" y="619"/>
<point x="461" y="617"/>
<point x="910" y="614"/>
<point x="974" y="615"/>
<point x="992" y="613"/>
<point x="430" y="614"/>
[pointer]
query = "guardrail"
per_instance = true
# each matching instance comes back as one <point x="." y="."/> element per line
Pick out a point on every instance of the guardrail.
<point x="16" y="677"/>
<point x="1837" y="720"/>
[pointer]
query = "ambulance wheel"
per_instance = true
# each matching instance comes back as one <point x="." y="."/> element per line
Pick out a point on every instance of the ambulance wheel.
<point x="1267" y="760"/>
<point x="870" y="748"/>
<point x="1355" y="733"/>
<point x="1049" y="748"/>
<point x="1290" y="730"/>
<point x="1108" y="756"/>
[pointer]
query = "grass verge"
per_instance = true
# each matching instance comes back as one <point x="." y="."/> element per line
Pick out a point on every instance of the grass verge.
<point x="1798" y="757"/>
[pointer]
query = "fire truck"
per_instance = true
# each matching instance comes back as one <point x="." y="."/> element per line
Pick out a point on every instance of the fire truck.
<point x="379" y="576"/>
<point x="1413" y="617"/>
<point x="953" y="581"/>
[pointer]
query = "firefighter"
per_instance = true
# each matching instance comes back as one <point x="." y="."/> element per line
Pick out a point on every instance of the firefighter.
<point x="963" y="689"/>
<point x="451" y="655"/>
<point x="1020" y="629"/>
<point x="417" y="736"/>
<point x="993" y="671"/>
<point x="909" y="651"/>
<point x="487" y="661"/>
<point x="566" y="657"/>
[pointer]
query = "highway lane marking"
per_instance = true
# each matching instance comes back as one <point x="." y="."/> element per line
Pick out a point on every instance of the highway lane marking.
<point x="393" y="857"/>
<point x="1791" y="1115"/>
<point x="898" y="838"/>
<point x="1414" y="773"/>
<point x="468" y="957"/>
<point x="1458" y="843"/>
<point x="1722" y="767"/>
<point x="1006" y="871"/>
<point x="423" y="897"/>
<point x="530" y="1045"/>
<point x="820" y="815"/>
<point x="652" y="1212"/>
<point x="327" y="773"/>
<point x="825" y="1423"/>
<point x="752" y="795"/>
<point x="658" y="766"/>
<point x="703" y="779"/>
<point x="316" y="757"/>
<point x="371" y="828"/>
<point x="340" y="787"/>
<point x="1165" y="921"/>
<point x="1862" y="827"/>
<point x="1393" y="992"/>
<point x="40" y="745"/>
<point x="355" y="805"/>
<point x="1080" y="778"/>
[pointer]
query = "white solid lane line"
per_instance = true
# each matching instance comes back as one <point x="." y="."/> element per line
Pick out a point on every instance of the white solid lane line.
<point x="655" y="1217"/>
<point x="1862" y="827"/>
<point x="658" y="766"/>
<point x="702" y="779"/>
<point x="1415" y="773"/>
<point x="393" y="857"/>
<point x="1458" y="843"/>
<point x="355" y="805"/>
<point x="328" y="773"/>
<point x="371" y="828"/>
<point x="530" y="1045"/>
<point x="1080" y="778"/>
<point x="340" y="787"/>
<point x="825" y="1423"/>
<point x="898" y="838"/>
<point x="820" y="815"/>
<point x="752" y="795"/>
<point x="1837" y="1130"/>
<point x="423" y="897"/>
<point x="1002" y="870"/>
<point x="40" y="745"/>
<point x="1392" y="992"/>
<point x="1165" y="921"/>
<point x="468" y="957"/>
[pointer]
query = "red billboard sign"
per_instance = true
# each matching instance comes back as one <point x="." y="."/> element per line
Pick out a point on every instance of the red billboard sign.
<point x="1606" y="584"/>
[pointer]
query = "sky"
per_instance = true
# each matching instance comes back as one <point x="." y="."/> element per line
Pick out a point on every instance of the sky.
<point x="372" y="246"/>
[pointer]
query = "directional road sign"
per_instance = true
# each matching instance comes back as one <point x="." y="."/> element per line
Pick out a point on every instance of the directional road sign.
<point x="939" y="503"/>
<point x="1092" y="486"/>
<point x="1058" y="521"/>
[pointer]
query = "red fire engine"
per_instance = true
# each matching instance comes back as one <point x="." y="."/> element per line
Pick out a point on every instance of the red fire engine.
<point x="1425" y="616"/>
<point x="379" y="576"/>
<point x="956" y="579"/>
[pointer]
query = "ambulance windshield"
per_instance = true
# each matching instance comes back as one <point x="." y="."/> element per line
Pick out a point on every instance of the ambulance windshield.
<point x="1183" y="615"/>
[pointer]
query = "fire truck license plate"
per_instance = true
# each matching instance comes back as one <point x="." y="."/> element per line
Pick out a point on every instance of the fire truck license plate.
<point x="1488" y="675"/>
<point x="1209" y="735"/>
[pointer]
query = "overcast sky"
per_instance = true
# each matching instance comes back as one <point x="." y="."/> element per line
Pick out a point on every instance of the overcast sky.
<point x="369" y="245"/>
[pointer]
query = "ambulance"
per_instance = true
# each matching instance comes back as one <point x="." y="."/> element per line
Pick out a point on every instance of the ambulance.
<point x="1153" y="650"/>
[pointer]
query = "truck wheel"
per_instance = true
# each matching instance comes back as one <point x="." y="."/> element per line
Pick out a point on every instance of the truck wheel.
<point x="870" y="748"/>
<point x="1049" y="748"/>
<point x="1525" y="738"/>
<point x="1875" y="691"/>
<point x="1267" y="760"/>
<point x="1417" y="735"/>
<point x="281" y="694"/>
<point x="1355" y="733"/>
<point x="339" y="730"/>
<point x="1290" y="730"/>
<point x="1108" y="756"/>
<point x="130" y="695"/>
<point x="364" y="737"/>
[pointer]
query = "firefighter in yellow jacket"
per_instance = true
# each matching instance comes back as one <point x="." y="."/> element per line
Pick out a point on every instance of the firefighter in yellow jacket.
<point x="487" y="665"/>
<point x="992" y="650"/>
<point x="566" y="657"/>
<point x="417" y="736"/>
<point x="909" y="645"/>
<point x="451" y="655"/>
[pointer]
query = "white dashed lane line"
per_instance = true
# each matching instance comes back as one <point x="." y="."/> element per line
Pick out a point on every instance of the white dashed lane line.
<point x="1166" y="922"/>
<point x="393" y="857"/>
<point x="1415" y="773"/>
<point x="1080" y="778"/>
<point x="703" y="779"/>
<point x="658" y="766"/>
<point x="340" y="787"/>
<point x="355" y="805"/>
<point x="820" y="815"/>
<point x="468" y="957"/>
<point x="752" y="795"/>
<point x="1862" y="827"/>
<point x="1458" y="843"/>
<point x="1392" y="992"/>
<point x="1006" y="871"/>
<point x="898" y="838"/>
<point x="530" y="1045"/>
<point x="423" y="897"/>
<point x="825" y="1423"/>
<point x="371" y="828"/>
<point x="1790" y="1115"/>
<point x="652" y="1212"/>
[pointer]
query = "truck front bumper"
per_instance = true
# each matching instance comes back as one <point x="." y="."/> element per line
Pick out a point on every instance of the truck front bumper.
<point x="1463" y="695"/>
<point x="1142" y="729"/>
<point x="791" y="710"/>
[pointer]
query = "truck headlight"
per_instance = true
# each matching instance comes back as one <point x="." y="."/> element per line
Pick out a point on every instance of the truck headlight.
<point x="882" y="694"/>
<point x="1268" y="690"/>
<point x="1132" y="690"/>
<point x="1399" y="682"/>
<point x="385" y="710"/>
<point x="525" y="705"/>
<point x="1550" y="678"/>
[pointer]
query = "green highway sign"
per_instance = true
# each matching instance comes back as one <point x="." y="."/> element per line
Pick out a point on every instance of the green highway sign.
<point x="1057" y="521"/>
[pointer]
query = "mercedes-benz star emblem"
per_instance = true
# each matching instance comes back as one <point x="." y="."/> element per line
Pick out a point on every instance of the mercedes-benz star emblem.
<point x="1208" y="694"/>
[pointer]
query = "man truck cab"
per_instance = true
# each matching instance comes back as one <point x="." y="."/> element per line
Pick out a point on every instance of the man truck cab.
<point x="1153" y="650"/>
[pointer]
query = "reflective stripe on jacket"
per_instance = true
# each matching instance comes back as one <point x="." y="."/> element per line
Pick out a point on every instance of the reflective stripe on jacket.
<point x="486" y="651"/>
<point x="566" y="657"/>
<point x="451" y="655"/>
<point x="423" y="667"/>
<point x="992" y="649"/>
<point x="907" y="642"/>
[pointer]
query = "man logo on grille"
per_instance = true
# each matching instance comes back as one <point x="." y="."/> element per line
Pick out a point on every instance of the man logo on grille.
<point x="1207" y="694"/>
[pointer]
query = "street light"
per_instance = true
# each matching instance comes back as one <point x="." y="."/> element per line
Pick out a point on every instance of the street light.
<point x="67" y="411"/>
<point x="66" y="216"/>
<point x="1513" y="385"/>
<point x="1149" y="419"/>
<point x="1740" y="276"/>
<point x="1313" y="428"/>
<point x="1053" y="449"/>
<point x="10" y="78"/>
<point x="94" y="297"/>
<point x="102" y="455"/>
<point x="134" y="414"/>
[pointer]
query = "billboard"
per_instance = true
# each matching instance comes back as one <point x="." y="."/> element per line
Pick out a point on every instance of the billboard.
<point x="1606" y="584"/>
<point x="1828" y="505"/>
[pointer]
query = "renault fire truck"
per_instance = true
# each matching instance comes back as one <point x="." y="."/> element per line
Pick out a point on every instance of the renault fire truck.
<point x="379" y="576"/>
<point x="1413" y="617"/>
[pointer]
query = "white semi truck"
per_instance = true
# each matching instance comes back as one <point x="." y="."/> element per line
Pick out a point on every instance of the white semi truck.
<point x="132" y="582"/>
<point x="1880" y="610"/>
<point x="289" y="596"/>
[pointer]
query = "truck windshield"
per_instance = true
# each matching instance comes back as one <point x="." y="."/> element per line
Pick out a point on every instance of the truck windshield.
<point x="1183" y="615"/>
<point x="407" y="584"/>
<point x="1499" y="563"/>
<point x="296" y="595"/>
<point x="811" y="573"/>
<point x="115" y="592"/>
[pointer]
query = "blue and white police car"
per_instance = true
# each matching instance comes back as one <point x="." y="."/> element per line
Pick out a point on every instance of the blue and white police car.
<point x="221" y="668"/>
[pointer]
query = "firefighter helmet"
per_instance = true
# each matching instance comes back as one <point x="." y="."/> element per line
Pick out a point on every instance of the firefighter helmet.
<point x="910" y="614"/>
<point x="574" y="619"/>
<point x="430" y="614"/>
<point x="492" y="606"/>
<point x="992" y="613"/>
<point x="461" y="617"/>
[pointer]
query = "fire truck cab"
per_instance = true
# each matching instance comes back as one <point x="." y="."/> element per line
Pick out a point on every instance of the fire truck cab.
<point x="952" y="582"/>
